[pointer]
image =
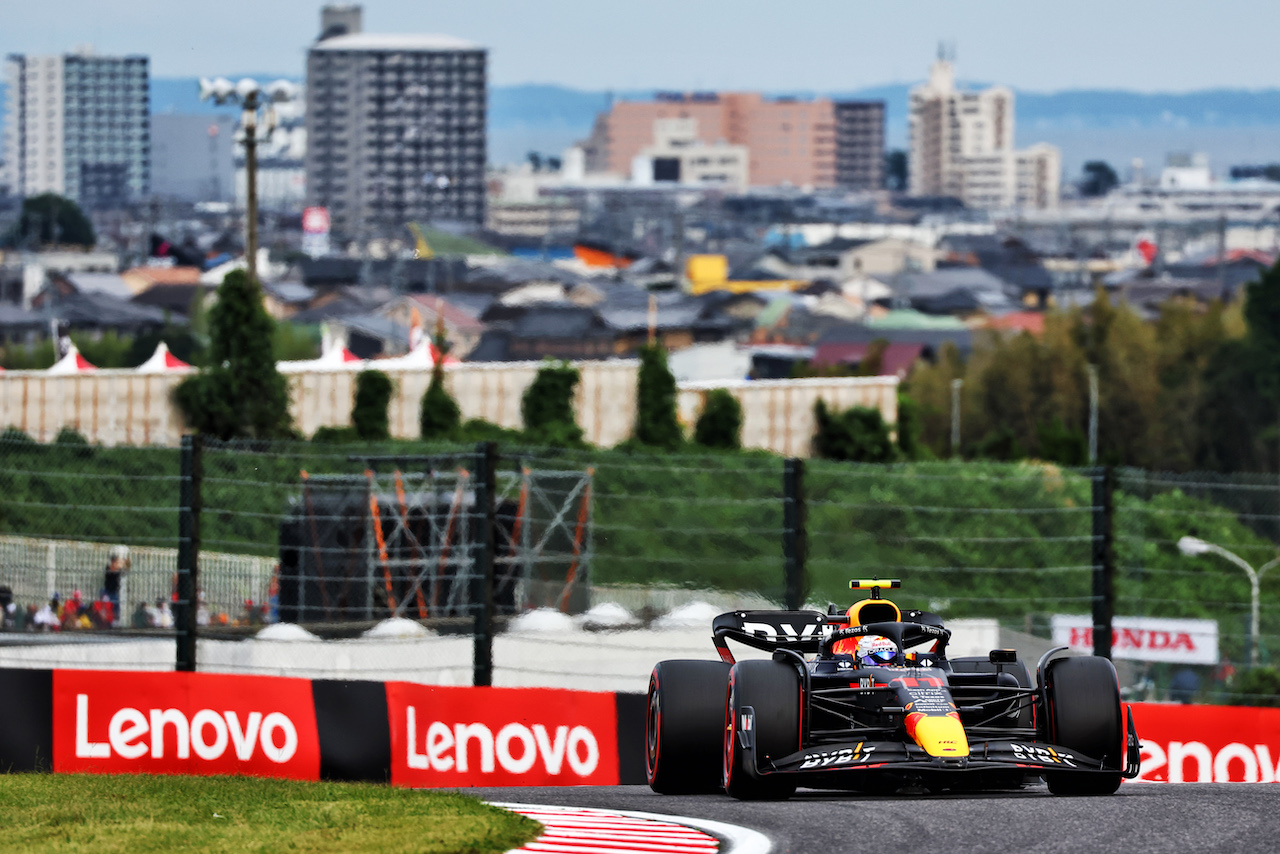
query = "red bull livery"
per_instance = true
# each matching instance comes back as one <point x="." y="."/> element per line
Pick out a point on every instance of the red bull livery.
<point x="867" y="699"/>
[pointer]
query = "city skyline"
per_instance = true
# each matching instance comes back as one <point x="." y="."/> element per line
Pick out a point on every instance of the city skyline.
<point x="716" y="44"/>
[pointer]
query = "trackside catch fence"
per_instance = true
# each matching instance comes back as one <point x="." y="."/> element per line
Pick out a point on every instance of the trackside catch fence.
<point x="470" y="562"/>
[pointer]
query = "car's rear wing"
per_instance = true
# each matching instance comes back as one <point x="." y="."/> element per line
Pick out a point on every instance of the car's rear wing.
<point x="801" y="631"/>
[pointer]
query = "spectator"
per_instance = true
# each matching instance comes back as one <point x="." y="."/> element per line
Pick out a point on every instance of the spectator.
<point x="103" y="613"/>
<point x="141" y="617"/>
<point x="1184" y="686"/>
<point x="46" y="619"/>
<point x="163" y="616"/>
<point x="117" y="565"/>
<point x="31" y="626"/>
<point x="8" y="610"/>
<point x="71" y="611"/>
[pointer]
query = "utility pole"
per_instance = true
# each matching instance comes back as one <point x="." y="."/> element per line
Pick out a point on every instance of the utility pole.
<point x="249" y="121"/>
<point x="956" y="385"/>
<point x="1093" y="414"/>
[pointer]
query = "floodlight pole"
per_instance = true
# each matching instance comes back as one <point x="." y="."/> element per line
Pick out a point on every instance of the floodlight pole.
<point x="249" y="121"/>
<point x="1193" y="546"/>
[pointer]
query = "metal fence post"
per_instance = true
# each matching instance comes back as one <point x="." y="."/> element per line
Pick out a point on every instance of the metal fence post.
<point x="795" y="536"/>
<point x="486" y="492"/>
<point x="1104" y="565"/>
<point x="191" y="470"/>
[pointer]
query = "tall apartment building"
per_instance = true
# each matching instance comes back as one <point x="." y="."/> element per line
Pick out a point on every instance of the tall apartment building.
<point x="818" y="143"/>
<point x="395" y="128"/>
<point x="859" y="144"/>
<point x="79" y="125"/>
<point x="962" y="145"/>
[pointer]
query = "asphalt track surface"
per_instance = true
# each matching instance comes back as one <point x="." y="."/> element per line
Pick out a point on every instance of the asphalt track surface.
<point x="1141" y="817"/>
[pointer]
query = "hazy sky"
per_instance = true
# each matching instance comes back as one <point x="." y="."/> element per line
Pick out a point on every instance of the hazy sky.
<point x="1036" y="45"/>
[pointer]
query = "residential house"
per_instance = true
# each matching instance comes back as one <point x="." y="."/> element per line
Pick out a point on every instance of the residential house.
<point x="461" y="327"/>
<point x="140" y="279"/>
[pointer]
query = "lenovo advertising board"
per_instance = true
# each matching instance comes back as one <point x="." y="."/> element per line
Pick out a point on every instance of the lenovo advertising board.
<point x="1208" y="744"/>
<point x="184" y="723"/>
<point x="1143" y="638"/>
<point x="457" y="736"/>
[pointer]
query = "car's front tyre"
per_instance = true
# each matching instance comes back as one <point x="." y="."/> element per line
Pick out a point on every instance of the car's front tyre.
<point x="771" y="689"/>
<point x="1082" y="702"/>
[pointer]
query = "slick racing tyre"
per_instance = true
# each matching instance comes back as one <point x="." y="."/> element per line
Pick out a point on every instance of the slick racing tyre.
<point x="772" y="690"/>
<point x="1082" y="701"/>
<point x="683" y="719"/>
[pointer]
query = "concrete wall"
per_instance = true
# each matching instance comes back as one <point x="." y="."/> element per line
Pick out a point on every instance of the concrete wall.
<point x="583" y="660"/>
<point x="123" y="407"/>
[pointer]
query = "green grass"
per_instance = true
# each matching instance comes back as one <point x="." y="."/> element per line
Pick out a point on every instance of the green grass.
<point x="99" y="813"/>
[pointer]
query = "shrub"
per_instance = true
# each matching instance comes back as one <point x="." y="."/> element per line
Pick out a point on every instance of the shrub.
<point x="335" y="435"/>
<point x="720" y="424"/>
<point x="910" y="429"/>
<point x="1060" y="444"/>
<point x="440" y="416"/>
<point x="858" y="434"/>
<point x="16" y="436"/>
<point x="369" y="414"/>
<point x="656" y="421"/>
<point x="73" y="440"/>
<point x="547" y="406"/>
<point x="1255" y="686"/>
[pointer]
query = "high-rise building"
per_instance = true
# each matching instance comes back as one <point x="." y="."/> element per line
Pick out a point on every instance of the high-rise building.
<point x="395" y="128"/>
<point x="790" y="141"/>
<point x="859" y="144"/>
<point x="962" y="145"/>
<point x="79" y="125"/>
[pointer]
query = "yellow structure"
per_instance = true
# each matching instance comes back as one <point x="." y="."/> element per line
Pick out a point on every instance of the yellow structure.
<point x="707" y="273"/>
<point x="421" y="247"/>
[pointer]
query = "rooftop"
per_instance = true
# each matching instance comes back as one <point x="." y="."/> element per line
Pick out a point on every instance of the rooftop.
<point x="395" y="41"/>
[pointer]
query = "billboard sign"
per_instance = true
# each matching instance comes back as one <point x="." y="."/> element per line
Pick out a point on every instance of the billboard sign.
<point x="1143" y="638"/>
<point x="315" y="231"/>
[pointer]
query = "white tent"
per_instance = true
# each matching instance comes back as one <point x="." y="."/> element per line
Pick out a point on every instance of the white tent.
<point x="163" y="362"/>
<point x="337" y="359"/>
<point x="420" y="358"/>
<point x="72" y="363"/>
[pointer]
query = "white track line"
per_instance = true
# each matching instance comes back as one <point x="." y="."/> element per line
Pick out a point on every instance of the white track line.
<point x="583" y="830"/>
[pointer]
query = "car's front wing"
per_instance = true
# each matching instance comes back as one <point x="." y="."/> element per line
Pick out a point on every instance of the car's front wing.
<point x="992" y="755"/>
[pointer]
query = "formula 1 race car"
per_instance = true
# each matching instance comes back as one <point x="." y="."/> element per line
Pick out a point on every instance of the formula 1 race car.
<point x="877" y="706"/>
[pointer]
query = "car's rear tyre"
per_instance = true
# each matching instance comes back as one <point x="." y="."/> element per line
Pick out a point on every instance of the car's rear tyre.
<point x="772" y="690"/>
<point x="683" y="719"/>
<point x="1082" y="704"/>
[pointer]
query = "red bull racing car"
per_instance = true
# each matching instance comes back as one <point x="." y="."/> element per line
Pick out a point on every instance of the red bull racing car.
<point x="868" y="700"/>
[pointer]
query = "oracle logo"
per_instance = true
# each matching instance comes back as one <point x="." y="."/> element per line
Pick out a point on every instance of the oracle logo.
<point x="1195" y="762"/>
<point x="132" y="734"/>
<point x="515" y="749"/>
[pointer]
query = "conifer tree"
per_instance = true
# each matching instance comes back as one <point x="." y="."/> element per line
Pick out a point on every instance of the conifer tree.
<point x="656" y="421"/>
<point x="240" y="394"/>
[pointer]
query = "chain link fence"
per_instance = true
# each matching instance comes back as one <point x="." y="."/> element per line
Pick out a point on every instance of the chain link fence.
<point x="544" y="566"/>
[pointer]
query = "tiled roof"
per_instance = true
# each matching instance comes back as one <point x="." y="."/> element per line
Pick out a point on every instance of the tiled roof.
<point x="453" y="315"/>
<point x="165" y="275"/>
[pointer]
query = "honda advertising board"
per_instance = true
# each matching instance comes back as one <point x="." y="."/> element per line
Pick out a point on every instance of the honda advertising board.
<point x="184" y="723"/>
<point x="458" y="736"/>
<point x="1208" y="744"/>
<point x="315" y="231"/>
<point x="1143" y="638"/>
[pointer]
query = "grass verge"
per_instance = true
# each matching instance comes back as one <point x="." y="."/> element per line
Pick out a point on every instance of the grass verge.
<point x="101" y="813"/>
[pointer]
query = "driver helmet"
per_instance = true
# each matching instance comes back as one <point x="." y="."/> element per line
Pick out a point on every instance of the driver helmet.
<point x="875" y="650"/>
